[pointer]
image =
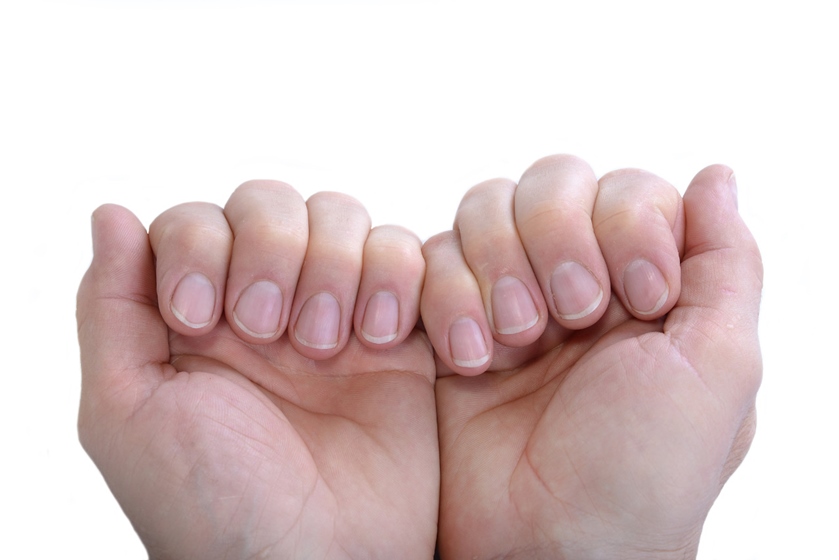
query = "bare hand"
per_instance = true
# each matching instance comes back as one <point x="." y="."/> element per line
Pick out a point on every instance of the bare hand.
<point x="617" y="326"/>
<point x="224" y="399"/>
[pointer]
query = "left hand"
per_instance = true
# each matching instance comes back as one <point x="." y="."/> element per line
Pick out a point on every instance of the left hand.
<point x="604" y="340"/>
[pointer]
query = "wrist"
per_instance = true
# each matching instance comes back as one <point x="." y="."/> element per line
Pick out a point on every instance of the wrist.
<point x="651" y="549"/>
<point x="685" y="548"/>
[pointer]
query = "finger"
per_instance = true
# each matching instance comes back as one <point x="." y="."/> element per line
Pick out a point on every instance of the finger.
<point x="639" y="223"/>
<point x="122" y="338"/>
<point x="191" y="244"/>
<point x="270" y="229"/>
<point x="321" y="316"/>
<point x="387" y="306"/>
<point x="452" y="309"/>
<point x="553" y="207"/>
<point x="512" y="299"/>
<point x="715" y="319"/>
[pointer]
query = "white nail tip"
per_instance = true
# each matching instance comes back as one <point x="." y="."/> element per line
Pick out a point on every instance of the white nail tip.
<point x="657" y="305"/>
<point x="471" y="363"/>
<point x="518" y="329"/>
<point x="585" y="312"/>
<point x="183" y="319"/>
<point x="250" y="332"/>
<point x="378" y="339"/>
<point x="305" y="342"/>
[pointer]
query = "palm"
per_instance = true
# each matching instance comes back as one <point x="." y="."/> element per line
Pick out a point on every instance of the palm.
<point x="303" y="458"/>
<point x="594" y="437"/>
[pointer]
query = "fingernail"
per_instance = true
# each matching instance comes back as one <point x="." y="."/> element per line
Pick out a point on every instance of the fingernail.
<point x="93" y="235"/>
<point x="645" y="286"/>
<point x="576" y="292"/>
<point x="513" y="310"/>
<point x="467" y="344"/>
<point x="732" y="184"/>
<point x="381" y="318"/>
<point x="318" y="322"/>
<point x="258" y="310"/>
<point x="194" y="300"/>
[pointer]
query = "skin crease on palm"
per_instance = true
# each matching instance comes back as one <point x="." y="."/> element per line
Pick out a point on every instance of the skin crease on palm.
<point x="602" y="434"/>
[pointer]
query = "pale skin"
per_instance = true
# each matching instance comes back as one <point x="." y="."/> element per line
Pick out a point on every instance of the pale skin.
<point x="281" y="402"/>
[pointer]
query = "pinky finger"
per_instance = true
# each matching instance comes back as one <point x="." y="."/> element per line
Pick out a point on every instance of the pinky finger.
<point x="387" y="306"/>
<point x="452" y="308"/>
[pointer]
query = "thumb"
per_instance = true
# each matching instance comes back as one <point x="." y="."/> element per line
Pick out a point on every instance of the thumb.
<point x="714" y="322"/>
<point x="122" y="339"/>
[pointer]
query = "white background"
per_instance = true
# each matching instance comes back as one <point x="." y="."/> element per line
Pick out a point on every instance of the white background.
<point x="405" y="106"/>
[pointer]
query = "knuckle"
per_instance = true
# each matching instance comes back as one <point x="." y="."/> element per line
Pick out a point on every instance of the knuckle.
<point x="199" y="238"/>
<point x="260" y="187"/>
<point x="636" y="197"/>
<point x="625" y="176"/>
<point x="287" y="238"/>
<point x="487" y="190"/>
<point x="338" y="208"/>
<point x="567" y="215"/>
<point x="394" y="250"/>
<point x="441" y="242"/>
<point x="629" y="181"/>
<point x="190" y="225"/>
<point x="394" y="233"/>
<point x="487" y="202"/>
<point x="265" y="200"/>
<point x="336" y="200"/>
<point x="556" y="162"/>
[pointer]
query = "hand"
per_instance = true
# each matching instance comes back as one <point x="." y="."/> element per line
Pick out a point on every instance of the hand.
<point x="223" y="398"/>
<point x="617" y="325"/>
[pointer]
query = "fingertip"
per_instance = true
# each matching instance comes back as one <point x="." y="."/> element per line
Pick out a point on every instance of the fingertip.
<point x="318" y="326"/>
<point x="719" y="178"/>
<point x="714" y="219"/>
<point x="119" y="327"/>
<point x="109" y="224"/>
<point x="380" y="321"/>
<point x="324" y="202"/>
<point x="722" y="278"/>
<point x="646" y="287"/>
<point x="469" y="347"/>
<point x="269" y="222"/>
<point x="563" y="161"/>
<point x="577" y="295"/>
<point x="258" y="312"/>
<point x="193" y="301"/>
<point x="512" y="307"/>
<point x="451" y="308"/>
<point x="554" y="205"/>
<point x="192" y="245"/>
<point x="732" y="185"/>
<point x="120" y="247"/>
<point x="387" y="307"/>
<point x="639" y="221"/>
<point x="325" y="297"/>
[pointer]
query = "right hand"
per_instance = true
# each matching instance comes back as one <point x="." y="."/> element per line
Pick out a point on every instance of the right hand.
<point x="223" y="433"/>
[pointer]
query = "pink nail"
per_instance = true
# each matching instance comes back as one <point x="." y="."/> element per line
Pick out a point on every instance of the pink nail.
<point x="194" y="300"/>
<point x="319" y="322"/>
<point x="467" y="344"/>
<point x="732" y="184"/>
<point x="645" y="286"/>
<point x="381" y="318"/>
<point x="576" y="292"/>
<point x="258" y="309"/>
<point x="513" y="310"/>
